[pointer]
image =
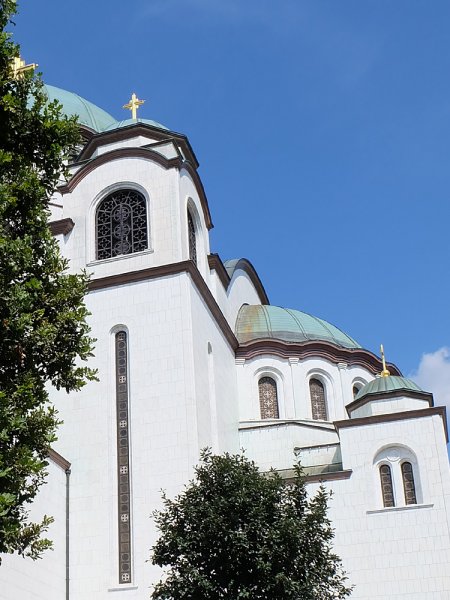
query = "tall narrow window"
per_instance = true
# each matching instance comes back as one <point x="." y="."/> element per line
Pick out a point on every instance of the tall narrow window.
<point x="123" y="457"/>
<point x="121" y="224"/>
<point x="318" y="401"/>
<point x="268" y="398"/>
<point x="386" y="486"/>
<point x="408" y="483"/>
<point x="192" y="238"/>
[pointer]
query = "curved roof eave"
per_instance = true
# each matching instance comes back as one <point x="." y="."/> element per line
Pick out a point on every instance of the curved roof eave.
<point x="243" y="264"/>
<point x="87" y="166"/>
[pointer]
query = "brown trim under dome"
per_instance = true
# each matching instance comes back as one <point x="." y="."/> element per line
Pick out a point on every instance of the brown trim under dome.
<point x="62" y="226"/>
<point x="316" y="348"/>
<point x="399" y="416"/>
<point x="148" y="154"/>
<point x="416" y="394"/>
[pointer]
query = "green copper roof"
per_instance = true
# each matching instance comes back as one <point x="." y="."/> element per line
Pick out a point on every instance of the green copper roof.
<point x="88" y="114"/>
<point x="382" y="385"/>
<point x="127" y="122"/>
<point x="264" y="321"/>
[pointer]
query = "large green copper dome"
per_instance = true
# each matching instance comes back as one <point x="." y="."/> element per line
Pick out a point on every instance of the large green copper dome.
<point x="273" y="322"/>
<point x="88" y="114"/>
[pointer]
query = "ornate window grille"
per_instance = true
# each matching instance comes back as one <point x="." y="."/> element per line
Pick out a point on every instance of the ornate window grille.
<point x="121" y="224"/>
<point x="123" y="457"/>
<point x="268" y="398"/>
<point x="387" y="489"/>
<point x="318" y="401"/>
<point x="192" y="238"/>
<point x="408" y="483"/>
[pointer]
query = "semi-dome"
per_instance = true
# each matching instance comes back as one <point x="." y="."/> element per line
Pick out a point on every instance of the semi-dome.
<point x="386" y="385"/>
<point x="259" y="321"/>
<point x="88" y="113"/>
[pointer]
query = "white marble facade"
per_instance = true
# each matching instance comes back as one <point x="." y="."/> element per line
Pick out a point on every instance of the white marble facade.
<point x="192" y="382"/>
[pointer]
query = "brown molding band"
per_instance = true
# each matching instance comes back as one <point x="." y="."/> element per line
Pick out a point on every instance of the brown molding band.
<point x="388" y="395"/>
<point x="399" y="416"/>
<point x="138" y="129"/>
<point x="62" y="226"/>
<point x="58" y="459"/>
<point x="186" y="266"/>
<point x="215" y="263"/>
<point x="148" y="154"/>
<point x="316" y="348"/>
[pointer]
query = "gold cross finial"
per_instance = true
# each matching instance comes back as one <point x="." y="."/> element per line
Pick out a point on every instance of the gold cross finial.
<point x="19" y="67"/>
<point x="133" y="105"/>
<point x="384" y="372"/>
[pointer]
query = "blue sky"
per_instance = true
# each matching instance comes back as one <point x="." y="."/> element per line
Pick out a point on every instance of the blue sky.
<point x="322" y="128"/>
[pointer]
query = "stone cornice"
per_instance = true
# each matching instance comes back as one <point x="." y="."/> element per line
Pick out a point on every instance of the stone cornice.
<point x="399" y="416"/>
<point x="134" y="130"/>
<point x="416" y="394"/>
<point x="62" y="226"/>
<point x="186" y="266"/>
<point x="58" y="459"/>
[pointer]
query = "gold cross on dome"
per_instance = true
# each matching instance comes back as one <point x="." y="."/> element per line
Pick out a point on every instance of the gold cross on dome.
<point x="19" y="67"/>
<point x="385" y="372"/>
<point x="133" y="105"/>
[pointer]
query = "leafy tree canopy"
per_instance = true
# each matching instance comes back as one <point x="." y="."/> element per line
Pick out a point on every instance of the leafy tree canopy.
<point x="235" y="533"/>
<point x="43" y="330"/>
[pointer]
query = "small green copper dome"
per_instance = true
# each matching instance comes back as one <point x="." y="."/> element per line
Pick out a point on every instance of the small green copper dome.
<point x="385" y="385"/>
<point x="264" y="321"/>
<point x="88" y="114"/>
<point x="127" y="122"/>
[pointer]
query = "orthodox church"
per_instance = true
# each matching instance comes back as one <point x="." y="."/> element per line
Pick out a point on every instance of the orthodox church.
<point x="190" y="353"/>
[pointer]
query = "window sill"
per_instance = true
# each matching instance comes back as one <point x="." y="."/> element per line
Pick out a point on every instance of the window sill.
<point x="94" y="263"/>
<point x="398" y="508"/>
<point x="123" y="587"/>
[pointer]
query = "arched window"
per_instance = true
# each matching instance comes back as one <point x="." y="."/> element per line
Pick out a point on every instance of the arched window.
<point x="355" y="391"/>
<point x="387" y="489"/>
<point x="318" y="401"/>
<point x="268" y="398"/>
<point x="192" y="238"/>
<point x="121" y="224"/>
<point x="408" y="483"/>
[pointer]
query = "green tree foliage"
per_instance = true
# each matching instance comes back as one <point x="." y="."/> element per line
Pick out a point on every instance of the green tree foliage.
<point x="43" y="330"/>
<point x="235" y="533"/>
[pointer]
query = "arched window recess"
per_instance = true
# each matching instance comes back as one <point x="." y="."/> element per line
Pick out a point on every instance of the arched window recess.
<point x="318" y="400"/>
<point x="192" y="237"/>
<point x="121" y="224"/>
<point x="268" y="398"/>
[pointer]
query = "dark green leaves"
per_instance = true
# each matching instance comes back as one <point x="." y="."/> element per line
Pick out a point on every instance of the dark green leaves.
<point x="43" y="329"/>
<point x="235" y="533"/>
